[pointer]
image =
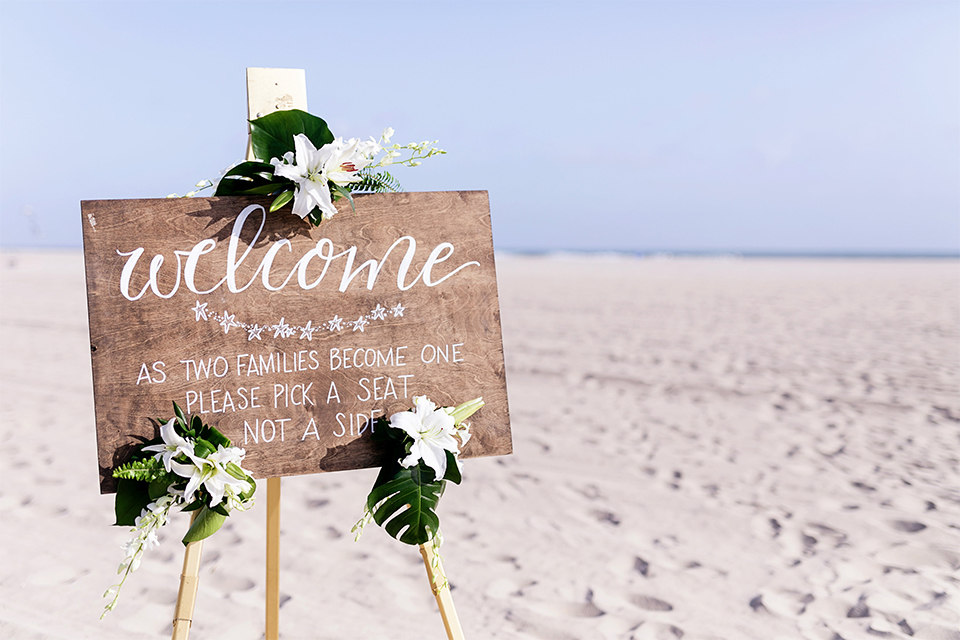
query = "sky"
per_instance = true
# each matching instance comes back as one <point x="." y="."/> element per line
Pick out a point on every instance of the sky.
<point x="722" y="126"/>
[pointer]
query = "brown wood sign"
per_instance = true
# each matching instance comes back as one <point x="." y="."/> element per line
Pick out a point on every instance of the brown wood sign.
<point x="290" y="338"/>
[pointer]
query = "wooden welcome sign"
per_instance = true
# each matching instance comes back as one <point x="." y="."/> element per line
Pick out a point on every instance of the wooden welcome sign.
<point x="291" y="339"/>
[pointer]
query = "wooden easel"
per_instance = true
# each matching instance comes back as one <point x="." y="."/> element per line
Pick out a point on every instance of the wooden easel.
<point x="270" y="90"/>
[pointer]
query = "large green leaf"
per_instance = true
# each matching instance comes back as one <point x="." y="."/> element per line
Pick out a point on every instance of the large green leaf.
<point x="250" y="178"/>
<point x="207" y="523"/>
<point x="272" y="135"/>
<point x="404" y="502"/>
<point x="132" y="498"/>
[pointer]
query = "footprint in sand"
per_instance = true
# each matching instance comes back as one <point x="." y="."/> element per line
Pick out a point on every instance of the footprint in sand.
<point x="641" y="566"/>
<point x="657" y="631"/>
<point x="649" y="603"/>
<point x="908" y="526"/>
<point x="606" y="516"/>
<point x="782" y="602"/>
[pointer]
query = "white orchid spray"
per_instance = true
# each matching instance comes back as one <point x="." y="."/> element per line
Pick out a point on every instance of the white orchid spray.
<point x="191" y="465"/>
<point x="423" y="448"/>
<point x="298" y="160"/>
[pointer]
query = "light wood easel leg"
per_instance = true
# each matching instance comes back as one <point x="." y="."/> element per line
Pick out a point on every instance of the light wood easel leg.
<point x="444" y="600"/>
<point x="272" y="631"/>
<point x="187" y="596"/>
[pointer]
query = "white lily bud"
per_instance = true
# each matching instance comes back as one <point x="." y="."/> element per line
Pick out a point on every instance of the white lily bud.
<point x="463" y="411"/>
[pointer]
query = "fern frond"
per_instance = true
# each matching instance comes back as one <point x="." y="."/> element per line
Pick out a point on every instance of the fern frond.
<point x="376" y="182"/>
<point x="147" y="470"/>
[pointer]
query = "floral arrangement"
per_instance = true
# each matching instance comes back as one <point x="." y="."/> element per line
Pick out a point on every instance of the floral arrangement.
<point x="190" y="464"/>
<point x="299" y="160"/>
<point x="422" y="450"/>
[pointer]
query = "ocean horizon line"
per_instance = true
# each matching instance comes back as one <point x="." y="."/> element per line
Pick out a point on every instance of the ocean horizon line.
<point x="720" y="253"/>
<point x="638" y="253"/>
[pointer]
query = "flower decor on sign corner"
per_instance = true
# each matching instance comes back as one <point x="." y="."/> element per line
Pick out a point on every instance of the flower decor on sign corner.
<point x="299" y="160"/>
<point x="191" y="464"/>
<point x="422" y="453"/>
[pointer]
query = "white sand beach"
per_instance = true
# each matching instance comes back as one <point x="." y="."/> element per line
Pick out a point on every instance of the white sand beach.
<point x="704" y="449"/>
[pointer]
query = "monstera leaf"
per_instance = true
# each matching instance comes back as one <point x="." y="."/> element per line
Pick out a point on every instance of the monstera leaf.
<point x="405" y="503"/>
<point x="272" y="135"/>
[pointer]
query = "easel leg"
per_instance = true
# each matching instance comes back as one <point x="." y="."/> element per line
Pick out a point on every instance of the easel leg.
<point x="272" y="631"/>
<point x="444" y="600"/>
<point x="187" y="596"/>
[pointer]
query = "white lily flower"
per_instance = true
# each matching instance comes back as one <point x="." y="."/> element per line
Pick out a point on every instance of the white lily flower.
<point x="173" y="445"/>
<point x="387" y="134"/>
<point x="346" y="159"/>
<point x="432" y="430"/>
<point x="307" y="167"/>
<point x="211" y="473"/>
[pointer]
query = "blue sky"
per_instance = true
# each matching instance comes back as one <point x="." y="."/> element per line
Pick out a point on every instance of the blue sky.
<point x="717" y="126"/>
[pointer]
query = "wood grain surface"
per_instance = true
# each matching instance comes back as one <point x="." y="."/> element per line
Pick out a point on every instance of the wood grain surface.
<point x="255" y="348"/>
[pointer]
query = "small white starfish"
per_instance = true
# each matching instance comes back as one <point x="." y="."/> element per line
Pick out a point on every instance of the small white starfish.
<point x="280" y="329"/>
<point x="336" y="324"/>
<point x="397" y="311"/>
<point x="227" y="322"/>
<point x="380" y="313"/>
<point x="254" y="331"/>
<point x="359" y="323"/>
<point x="200" y="310"/>
<point x="307" y="331"/>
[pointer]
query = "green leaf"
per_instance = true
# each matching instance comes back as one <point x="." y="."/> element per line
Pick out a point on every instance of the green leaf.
<point x="407" y="500"/>
<point x="179" y="412"/>
<point x="453" y="469"/>
<point x="202" y="448"/>
<point x="207" y="523"/>
<point x="213" y="436"/>
<point x="131" y="499"/>
<point x="250" y="178"/>
<point x="249" y="169"/>
<point x="272" y="135"/>
<point x="281" y="200"/>
<point x="344" y="193"/>
<point x="258" y="187"/>
<point x="159" y="487"/>
<point x="193" y="506"/>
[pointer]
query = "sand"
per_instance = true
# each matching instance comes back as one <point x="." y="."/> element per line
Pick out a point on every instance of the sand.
<point x="704" y="449"/>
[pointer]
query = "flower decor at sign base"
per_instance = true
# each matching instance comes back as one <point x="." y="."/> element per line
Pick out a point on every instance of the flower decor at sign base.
<point x="190" y="464"/>
<point x="423" y="448"/>
<point x="299" y="160"/>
